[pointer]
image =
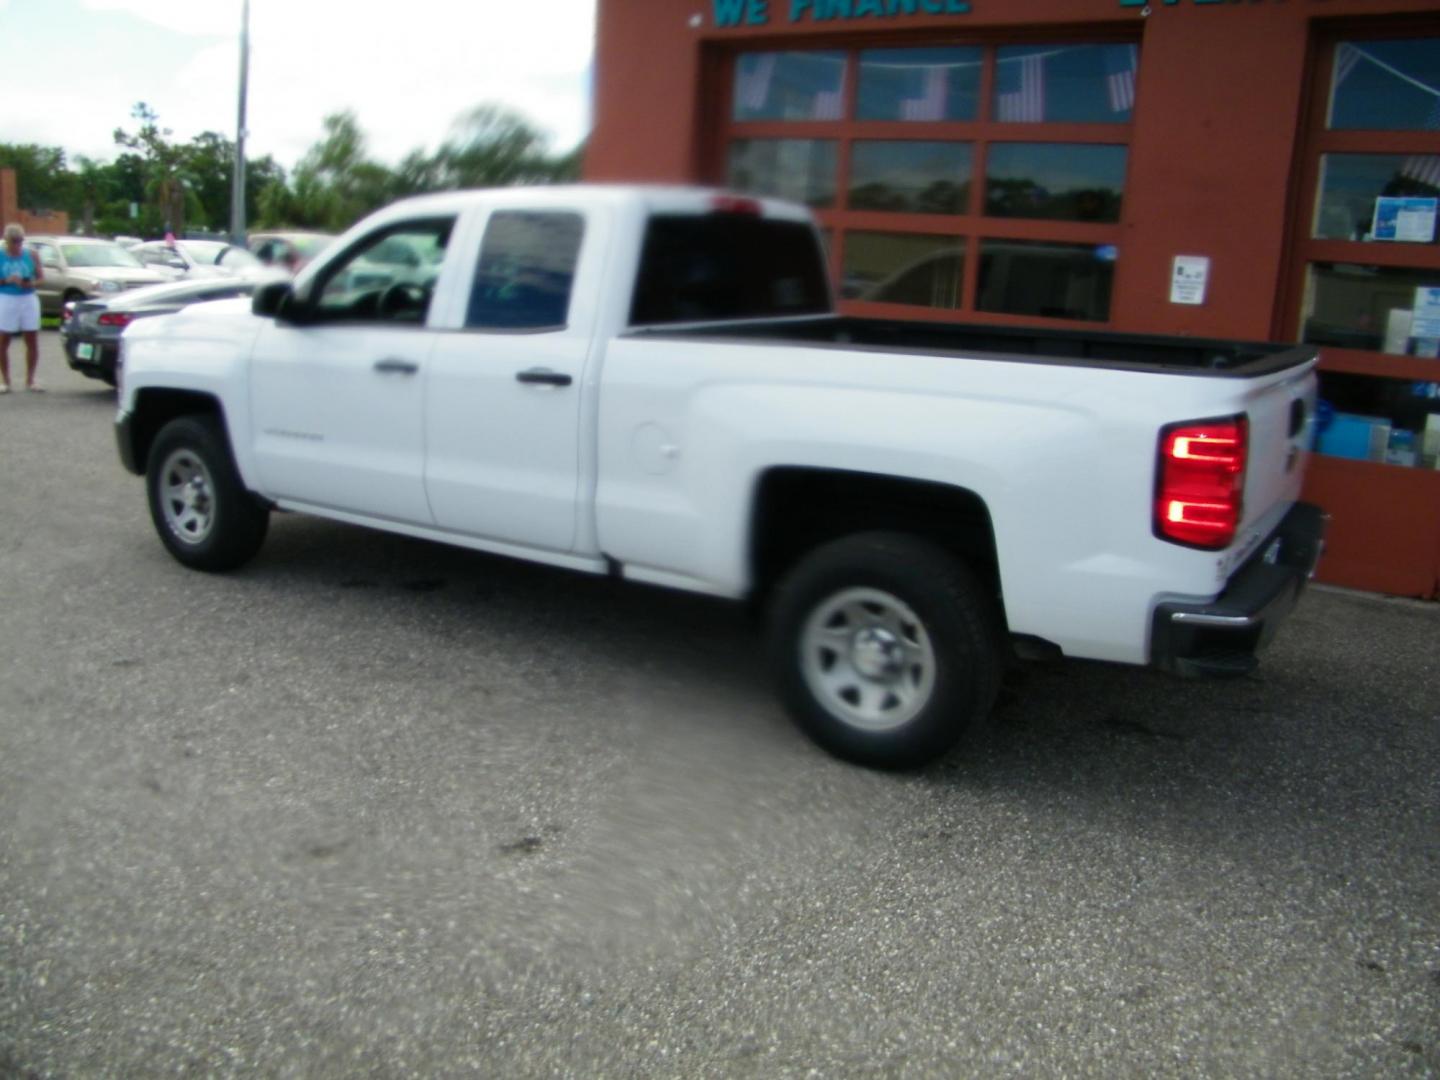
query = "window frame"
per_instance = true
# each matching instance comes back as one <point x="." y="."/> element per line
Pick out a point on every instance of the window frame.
<point x="972" y="226"/>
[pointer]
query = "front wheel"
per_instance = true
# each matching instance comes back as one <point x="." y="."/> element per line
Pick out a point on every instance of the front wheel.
<point x="201" y="509"/>
<point x="886" y="649"/>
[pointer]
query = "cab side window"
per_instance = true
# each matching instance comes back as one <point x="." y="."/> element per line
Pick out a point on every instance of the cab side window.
<point x="388" y="277"/>
<point x="526" y="270"/>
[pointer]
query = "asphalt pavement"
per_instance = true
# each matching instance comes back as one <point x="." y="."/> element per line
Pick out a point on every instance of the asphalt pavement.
<point x="372" y="807"/>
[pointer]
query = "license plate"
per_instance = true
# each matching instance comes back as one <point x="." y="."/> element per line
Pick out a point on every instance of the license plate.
<point x="84" y="351"/>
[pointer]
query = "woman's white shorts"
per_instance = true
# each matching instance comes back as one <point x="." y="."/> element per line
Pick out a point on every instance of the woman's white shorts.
<point x="19" y="313"/>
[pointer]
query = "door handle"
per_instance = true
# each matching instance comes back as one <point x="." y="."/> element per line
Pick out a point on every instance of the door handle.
<point x="393" y="365"/>
<point x="543" y="376"/>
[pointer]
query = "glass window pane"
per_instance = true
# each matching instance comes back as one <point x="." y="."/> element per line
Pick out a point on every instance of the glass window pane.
<point x="727" y="266"/>
<point x="904" y="268"/>
<point x="802" y="170"/>
<point x="388" y="277"/>
<point x="1082" y="84"/>
<point x="527" y="265"/>
<point x="1364" y="307"/>
<point x="1060" y="181"/>
<point x="913" y="177"/>
<point x="1386" y="85"/>
<point x="919" y="84"/>
<point x="1350" y="184"/>
<point x="1035" y="277"/>
<point x="789" y="86"/>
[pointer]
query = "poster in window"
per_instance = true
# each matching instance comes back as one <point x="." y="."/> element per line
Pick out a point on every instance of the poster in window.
<point x="1404" y="219"/>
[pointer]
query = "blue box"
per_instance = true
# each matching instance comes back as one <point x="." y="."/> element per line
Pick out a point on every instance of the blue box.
<point x="1363" y="438"/>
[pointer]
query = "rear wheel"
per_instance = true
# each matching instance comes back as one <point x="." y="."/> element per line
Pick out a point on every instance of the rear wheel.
<point x="886" y="649"/>
<point x="201" y="509"/>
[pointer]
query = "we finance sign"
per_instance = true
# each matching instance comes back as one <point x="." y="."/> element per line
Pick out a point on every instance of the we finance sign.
<point x="758" y="12"/>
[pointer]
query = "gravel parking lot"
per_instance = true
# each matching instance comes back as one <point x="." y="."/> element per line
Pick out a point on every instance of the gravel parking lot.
<point x="377" y="808"/>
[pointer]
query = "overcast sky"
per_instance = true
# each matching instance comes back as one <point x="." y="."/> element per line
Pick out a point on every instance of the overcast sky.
<point x="73" y="69"/>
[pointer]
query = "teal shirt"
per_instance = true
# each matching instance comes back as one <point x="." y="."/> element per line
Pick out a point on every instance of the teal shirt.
<point x="22" y="264"/>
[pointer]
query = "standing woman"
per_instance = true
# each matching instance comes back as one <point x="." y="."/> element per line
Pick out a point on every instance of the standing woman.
<point x="20" y="272"/>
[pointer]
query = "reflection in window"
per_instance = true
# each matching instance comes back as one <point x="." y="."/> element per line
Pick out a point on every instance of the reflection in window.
<point x="789" y="86"/>
<point x="919" y="84"/>
<point x="1034" y="277"/>
<point x="527" y="265"/>
<point x="904" y="268"/>
<point x="1364" y="307"/>
<point x="1351" y="183"/>
<point x="389" y="277"/>
<point x="1061" y="181"/>
<point x="915" y="177"/>
<point x="1386" y="85"/>
<point x="801" y="170"/>
<point x="1087" y="84"/>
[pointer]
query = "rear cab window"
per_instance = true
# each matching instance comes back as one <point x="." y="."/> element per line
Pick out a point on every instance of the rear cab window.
<point x="718" y="266"/>
<point x="526" y="271"/>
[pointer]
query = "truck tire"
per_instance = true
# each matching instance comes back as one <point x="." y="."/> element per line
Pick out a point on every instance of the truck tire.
<point x="886" y="649"/>
<point x="201" y="509"/>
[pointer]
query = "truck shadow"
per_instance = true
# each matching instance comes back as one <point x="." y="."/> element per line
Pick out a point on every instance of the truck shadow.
<point x="1319" y="752"/>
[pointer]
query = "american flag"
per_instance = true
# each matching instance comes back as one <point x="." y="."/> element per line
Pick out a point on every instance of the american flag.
<point x="1022" y="89"/>
<point x="1425" y="168"/>
<point x="1120" y="64"/>
<point x="752" y="87"/>
<point x="930" y="105"/>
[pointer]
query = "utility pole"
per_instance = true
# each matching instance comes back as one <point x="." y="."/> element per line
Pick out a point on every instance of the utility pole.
<point x="237" y="191"/>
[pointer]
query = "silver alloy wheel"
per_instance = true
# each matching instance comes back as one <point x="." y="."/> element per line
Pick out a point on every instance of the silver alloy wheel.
<point x="867" y="658"/>
<point x="187" y="496"/>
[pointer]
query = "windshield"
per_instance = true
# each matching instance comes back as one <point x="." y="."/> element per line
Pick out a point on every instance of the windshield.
<point x="100" y="255"/>
<point x="215" y="253"/>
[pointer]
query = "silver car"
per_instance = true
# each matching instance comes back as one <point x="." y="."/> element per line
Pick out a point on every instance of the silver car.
<point x="80" y="268"/>
<point x="196" y="258"/>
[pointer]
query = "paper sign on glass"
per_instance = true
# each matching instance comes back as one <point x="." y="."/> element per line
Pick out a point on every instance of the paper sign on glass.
<point x="1188" y="277"/>
<point x="1425" y="322"/>
<point x="1404" y="219"/>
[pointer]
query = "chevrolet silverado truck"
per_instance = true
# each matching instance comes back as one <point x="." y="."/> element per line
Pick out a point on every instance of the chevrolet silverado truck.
<point x="651" y="383"/>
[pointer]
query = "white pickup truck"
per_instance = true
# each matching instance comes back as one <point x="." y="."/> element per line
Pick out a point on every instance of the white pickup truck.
<point x="651" y="383"/>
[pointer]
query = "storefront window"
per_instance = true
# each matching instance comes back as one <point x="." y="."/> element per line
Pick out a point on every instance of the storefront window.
<point x="789" y="86"/>
<point x="1366" y="307"/>
<point x="904" y="268"/>
<point x="914" y="177"/>
<point x="1068" y="182"/>
<point x="1386" y="85"/>
<point x="919" y="84"/>
<point x="802" y="170"/>
<point x="1078" y="84"/>
<point x="1352" y="185"/>
<point x="1034" y="277"/>
<point x="855" y="163"/>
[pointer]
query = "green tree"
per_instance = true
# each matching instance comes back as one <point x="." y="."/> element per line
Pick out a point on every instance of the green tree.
<point x="166" y="187"/>
<point x="41" y="175"/>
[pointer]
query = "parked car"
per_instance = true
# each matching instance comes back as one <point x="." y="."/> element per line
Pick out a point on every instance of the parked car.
<point x="288" y="250"/>
<point x="91" y="329"/>
<point x="651" y="384"/>
<point x="81" y="268"/>
<point x="196" y="258"/>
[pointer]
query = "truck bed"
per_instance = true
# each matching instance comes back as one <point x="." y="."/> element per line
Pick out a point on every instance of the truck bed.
<point x="1137" y="352"/>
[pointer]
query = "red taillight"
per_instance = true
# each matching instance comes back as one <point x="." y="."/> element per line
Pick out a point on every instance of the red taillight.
<point x="735" y="204"/>
<point x="1200" y="487"/>
<point x="115" y="318"/>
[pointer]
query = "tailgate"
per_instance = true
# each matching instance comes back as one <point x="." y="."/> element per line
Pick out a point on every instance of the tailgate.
<point x="1281" y="411"/>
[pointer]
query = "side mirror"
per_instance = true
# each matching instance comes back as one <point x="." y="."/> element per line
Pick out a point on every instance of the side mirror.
<point x="276" y="300"/>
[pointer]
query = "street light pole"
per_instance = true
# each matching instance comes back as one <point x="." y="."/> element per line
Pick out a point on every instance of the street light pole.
<point x="237" y="192"/>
